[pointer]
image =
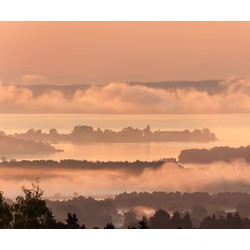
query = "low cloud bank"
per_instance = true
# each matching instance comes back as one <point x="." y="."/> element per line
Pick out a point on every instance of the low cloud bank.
<point x="122" y="97"/>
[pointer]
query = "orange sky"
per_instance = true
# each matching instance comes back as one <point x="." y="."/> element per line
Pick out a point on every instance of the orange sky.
<point x="100" y="52"/>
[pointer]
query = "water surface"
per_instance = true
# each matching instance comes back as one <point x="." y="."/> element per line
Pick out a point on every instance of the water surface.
<point x="230" y="129"/>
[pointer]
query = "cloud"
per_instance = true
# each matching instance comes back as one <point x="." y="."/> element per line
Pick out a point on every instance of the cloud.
<point x="120" y="97"/>
<point x="33" y="79"/>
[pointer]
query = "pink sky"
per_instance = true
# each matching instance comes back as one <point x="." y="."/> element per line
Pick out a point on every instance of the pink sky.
<point x="100" y="52"/>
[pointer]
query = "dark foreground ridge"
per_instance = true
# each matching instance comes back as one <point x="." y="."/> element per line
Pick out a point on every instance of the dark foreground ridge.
<point x="226" y="154"/>
<point x="31" y="211"/>
<point x="86" y="134"/>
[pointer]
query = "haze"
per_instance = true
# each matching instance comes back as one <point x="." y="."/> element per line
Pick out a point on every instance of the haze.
<point x="100" y="52"/>
<point x="74" y="85"/>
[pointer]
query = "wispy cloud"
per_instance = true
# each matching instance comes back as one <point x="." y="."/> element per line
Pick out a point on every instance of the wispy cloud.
<point x="33" y="79"/>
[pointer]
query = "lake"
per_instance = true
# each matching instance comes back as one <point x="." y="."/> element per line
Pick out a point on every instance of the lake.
<point x="230" y="129"/>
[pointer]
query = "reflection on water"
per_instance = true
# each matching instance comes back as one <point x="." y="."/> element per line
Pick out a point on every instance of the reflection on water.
<point x="121" y="151"/>
<point x="126" y="151"/>
<point x="118" y="151"/>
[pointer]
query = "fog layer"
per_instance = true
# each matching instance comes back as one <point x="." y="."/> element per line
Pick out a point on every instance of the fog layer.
<point x="216" y="177"/>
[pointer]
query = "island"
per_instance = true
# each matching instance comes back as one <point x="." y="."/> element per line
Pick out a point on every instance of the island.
<point x="86" y="134"/>
<point x="225" y="154"/>
<point x="17" y="146"/>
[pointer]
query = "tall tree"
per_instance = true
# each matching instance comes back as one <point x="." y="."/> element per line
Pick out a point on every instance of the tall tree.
<point x="5" y="213"/>
<point x="30" y="210"/>
<point x="161" y="219"/>
<point x="186" y="222"/>
<point x="175" y="222"/>
<point x="72" y="221"/>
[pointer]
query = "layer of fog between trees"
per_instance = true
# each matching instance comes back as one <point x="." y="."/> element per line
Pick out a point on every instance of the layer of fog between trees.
<point x="214" y="177"/>
<point x="127" y="210"/>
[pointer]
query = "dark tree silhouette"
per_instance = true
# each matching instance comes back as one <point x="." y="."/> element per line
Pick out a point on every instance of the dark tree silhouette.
<point x="231" y="221"/>
<point x="30" y="210"/>
<point x="72" y="221"/>
<point x="186" y="222"/>
<point x="109" y="226"/>
<point x="208" y="223"/>
<point x="234" y="221"/>
<point x="5" y="213"/>
<point x="175" y="222"/>
<point x="143" y="223"/>
<point x="226" y="154"/>
<point x="161" y="219"/>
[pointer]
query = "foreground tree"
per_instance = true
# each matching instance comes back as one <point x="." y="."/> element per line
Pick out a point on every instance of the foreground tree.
<point x="30" y="210"/>
<point x="186" y="222"/>
<point x="232" y="221"/>
<point x="5" y="213"/>
<point x="109" y="226"/>
<point x="176" y="221"/>
<point x="160" y="220"/>
<point x="72" y="221"/>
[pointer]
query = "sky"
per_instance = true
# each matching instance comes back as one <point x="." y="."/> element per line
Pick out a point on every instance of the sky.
<point x="109" y="55"/>
<point x="102" y="52"/>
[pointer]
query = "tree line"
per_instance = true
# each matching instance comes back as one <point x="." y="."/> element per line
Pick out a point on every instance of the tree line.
<point x="206" y="156"/>
<point x="85" y="134"/>
<point x="84" y="164"/>
<point x="29" y="211"/>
